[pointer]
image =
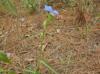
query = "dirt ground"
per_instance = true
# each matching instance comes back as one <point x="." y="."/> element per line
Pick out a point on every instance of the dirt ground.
<point x="69" y="50"/>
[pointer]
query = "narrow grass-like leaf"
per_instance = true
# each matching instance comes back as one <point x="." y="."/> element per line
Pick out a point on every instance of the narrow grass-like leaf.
<point x="9" y="6"/>
<point x="48" y="66"/>
<point x="42" y="36"/>
<point x="31" y="5"/>
<point x="31" y="72"/>
<point x="45" y="24"/>
<point x="11" y="72"/>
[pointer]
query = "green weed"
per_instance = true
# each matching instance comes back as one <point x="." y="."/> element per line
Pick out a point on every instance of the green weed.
<point x="31" y="5"/>
<point x="29" y="70"/>
<point x="5" y="59"/>
<point x="7" y="5"/>
<point x="42" y="45"/>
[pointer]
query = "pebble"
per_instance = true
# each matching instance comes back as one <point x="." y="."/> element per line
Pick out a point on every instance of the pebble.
<point x="22" y="19"/>
<point x="58" y="30"/>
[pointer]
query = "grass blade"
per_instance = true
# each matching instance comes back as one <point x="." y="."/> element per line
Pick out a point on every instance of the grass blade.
<point x="9" y="6"/>
<point x="48" y="66"/>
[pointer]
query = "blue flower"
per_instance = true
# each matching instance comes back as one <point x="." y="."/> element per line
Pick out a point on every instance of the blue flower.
<point x="48" y="8"/>
<point x="51" y="10"/>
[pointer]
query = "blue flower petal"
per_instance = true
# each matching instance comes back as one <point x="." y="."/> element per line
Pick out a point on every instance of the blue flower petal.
<point x="55" y="12"/>
<point x="48" y="8"/>
<point x="51" y="10"/>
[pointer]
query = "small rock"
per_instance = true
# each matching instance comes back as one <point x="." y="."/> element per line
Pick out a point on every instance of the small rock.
<point x="29" y="59"/>
<point x="58" y="30"/>
<point x="8" y="54"/>
<point x="22" y="19"/>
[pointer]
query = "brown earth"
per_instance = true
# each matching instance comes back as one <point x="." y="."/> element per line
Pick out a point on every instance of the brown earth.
<point x="68" y="49"/>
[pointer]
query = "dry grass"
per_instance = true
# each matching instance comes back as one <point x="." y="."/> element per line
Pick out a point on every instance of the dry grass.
<point x="68" y="50"/>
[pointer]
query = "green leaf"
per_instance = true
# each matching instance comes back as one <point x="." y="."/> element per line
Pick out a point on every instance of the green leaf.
<point x="4" y="58"/>
<point x="47" y="21"/>
<point x="48" y="66"/>
<point x="50" y="17"/>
